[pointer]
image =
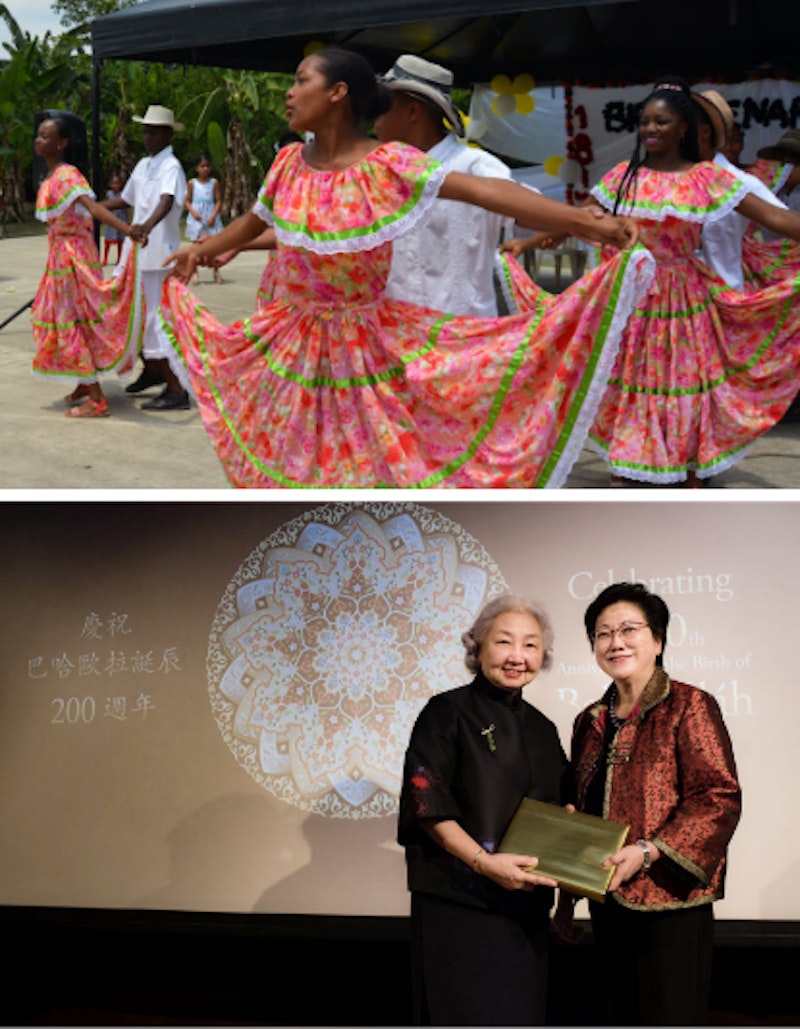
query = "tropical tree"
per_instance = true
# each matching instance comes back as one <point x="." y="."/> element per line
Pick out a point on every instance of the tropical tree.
<point x="28" y="78"/>
<point x="76" y="15"/>
<point x="234" y="116"/>
<point x="16" y="33"/>
<point x="242" y="108"/>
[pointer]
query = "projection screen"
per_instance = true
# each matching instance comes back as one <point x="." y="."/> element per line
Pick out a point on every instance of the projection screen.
<point x="204" y="705"/>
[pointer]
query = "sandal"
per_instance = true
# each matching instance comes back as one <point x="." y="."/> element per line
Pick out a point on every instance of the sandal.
<point x="78" y="395"/>
<point x="91" y="409"/>
<point x="218" y="278"/>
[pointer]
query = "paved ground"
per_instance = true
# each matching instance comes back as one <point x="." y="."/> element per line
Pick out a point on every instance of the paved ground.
<point x="135" y="449"/>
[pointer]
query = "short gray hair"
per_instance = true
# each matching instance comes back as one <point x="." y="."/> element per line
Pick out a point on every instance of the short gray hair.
<point x="474" y="637"/>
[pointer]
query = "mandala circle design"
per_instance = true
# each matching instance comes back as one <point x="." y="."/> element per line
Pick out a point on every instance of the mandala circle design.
<point x="328" y="640"/>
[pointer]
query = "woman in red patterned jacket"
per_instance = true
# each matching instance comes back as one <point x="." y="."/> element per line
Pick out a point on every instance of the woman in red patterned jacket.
<point x="654" y="753"/>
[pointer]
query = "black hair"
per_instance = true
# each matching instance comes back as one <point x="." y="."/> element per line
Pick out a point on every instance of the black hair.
<point x="369" y="99"/>
<point x="704" y="118"/>
<point x="653" y="608"/>
<point x="72" y="151"/>
<point x="289" y="136"/>
<point x="677" y="96"/>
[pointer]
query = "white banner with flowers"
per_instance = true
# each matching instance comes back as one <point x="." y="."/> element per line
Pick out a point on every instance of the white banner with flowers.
<point x="524" y="123"/>
<point x="605" y="121"/>
<point x="569" y="137"/>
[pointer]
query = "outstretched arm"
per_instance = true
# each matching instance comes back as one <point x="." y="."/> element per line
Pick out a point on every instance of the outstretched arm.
<point x="793" y="181"/>
<point x="266" y="241"/>
<point x="114" y="203"/>
<point x="780" y="220"/>
<point x="102" y="214"/>
<point x="548" y="240"/>
<point x="539" y="212"/>
<point x="233" y="237"/>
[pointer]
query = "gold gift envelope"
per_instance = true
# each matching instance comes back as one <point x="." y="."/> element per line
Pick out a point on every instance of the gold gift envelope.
<point x="571" y="848"/>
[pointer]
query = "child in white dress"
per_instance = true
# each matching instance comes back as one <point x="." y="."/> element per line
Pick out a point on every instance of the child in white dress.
<point x="203" y="204"/>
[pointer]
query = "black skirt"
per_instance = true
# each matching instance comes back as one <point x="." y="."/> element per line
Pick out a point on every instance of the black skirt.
<point x="655" y="966"/>
<point x="476" y="967"/>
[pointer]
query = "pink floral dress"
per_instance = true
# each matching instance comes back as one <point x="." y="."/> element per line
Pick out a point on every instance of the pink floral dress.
<point x="767" y="261"/>
<point x="331" y="384"/>
<point x="772" y="173"/>
<point x="82" y="324"/>
<point x="266" y="285"/>
<point x="702" y="370"/>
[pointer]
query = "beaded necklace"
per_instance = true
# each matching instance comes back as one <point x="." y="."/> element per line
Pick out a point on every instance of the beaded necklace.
<point x="616" y="721"/>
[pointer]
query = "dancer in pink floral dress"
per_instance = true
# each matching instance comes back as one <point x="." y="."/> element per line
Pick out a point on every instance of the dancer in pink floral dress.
<point x="703" y="370"/>
<point x="778" y="166"/>
<point x="767" y="258"/>
<point x="332" y="384"/>
<point x="82" y="325"/>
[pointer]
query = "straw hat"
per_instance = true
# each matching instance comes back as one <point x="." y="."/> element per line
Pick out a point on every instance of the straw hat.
<point x="718" y="110"/>
<point x="787" y="147"/>
<point x="158" y="115"/>
<point x="411" y="74"/>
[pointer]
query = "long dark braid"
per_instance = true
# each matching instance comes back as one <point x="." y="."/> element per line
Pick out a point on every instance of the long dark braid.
<point x="677" y="96"/>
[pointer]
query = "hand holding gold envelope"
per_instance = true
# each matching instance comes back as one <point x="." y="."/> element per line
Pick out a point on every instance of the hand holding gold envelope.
<point x="571" y="846"/>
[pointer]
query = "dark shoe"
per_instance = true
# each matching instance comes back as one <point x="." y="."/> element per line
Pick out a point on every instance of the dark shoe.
<point x="167" y="401"/>
<point x="145" y="381"/>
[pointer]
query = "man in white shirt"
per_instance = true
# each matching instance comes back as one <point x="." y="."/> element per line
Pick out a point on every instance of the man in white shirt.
<point x="447" y="261"/>
<point x="156" y="191"/>
<point x="721" y="241"/>
<point x="721" y="246"/>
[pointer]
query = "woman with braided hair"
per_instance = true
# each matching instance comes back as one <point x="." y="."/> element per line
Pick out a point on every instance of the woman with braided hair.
<point x="702" y="369"/>
<point x="332" y="383"/>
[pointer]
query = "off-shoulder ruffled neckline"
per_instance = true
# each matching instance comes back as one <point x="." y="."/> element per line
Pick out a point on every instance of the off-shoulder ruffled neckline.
<point x="350" y="167"/>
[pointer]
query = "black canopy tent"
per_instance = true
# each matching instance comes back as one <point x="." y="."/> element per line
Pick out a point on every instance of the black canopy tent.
<point x="554" y="40"/>
<point x="599" y="41"/>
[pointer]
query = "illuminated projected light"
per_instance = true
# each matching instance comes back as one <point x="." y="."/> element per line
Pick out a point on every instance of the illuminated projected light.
<point x="329" y="639"/>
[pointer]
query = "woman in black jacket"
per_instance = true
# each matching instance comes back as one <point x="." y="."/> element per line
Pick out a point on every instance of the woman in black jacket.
<point x="480" y="919"/>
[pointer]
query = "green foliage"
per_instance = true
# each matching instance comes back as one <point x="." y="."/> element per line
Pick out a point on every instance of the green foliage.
<point x="17" y="36"/>
<point x="217" y="144"/>
<point x="79" y="13"/>
<point x="34" y="72"/>
<point x="234" y="116"/>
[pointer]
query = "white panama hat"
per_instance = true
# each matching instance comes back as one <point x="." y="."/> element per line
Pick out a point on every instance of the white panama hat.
<point x="411" y="74"/>
<point x="158" y="115"/>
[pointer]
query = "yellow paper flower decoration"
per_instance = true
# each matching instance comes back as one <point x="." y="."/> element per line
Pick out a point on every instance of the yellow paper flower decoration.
<point x="513" y="96"/>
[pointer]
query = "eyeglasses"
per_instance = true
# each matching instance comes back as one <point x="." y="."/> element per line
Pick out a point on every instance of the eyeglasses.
<point x="625" y="632"/>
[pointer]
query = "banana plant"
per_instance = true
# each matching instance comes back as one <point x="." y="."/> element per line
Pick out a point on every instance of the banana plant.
<point x="226" y="120"/>
<point x="27" y="84"/>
